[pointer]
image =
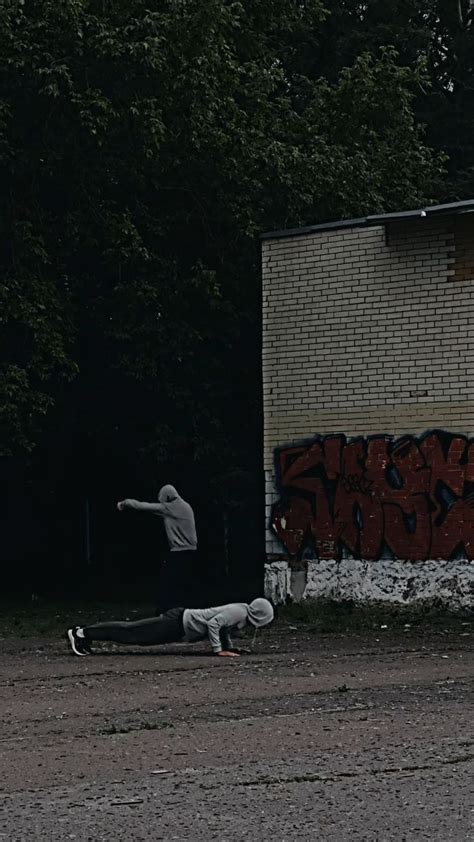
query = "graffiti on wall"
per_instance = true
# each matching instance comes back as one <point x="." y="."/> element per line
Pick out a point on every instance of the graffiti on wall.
<point x="411" y="498"/>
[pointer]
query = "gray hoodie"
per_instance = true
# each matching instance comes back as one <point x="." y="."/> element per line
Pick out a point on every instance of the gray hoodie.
<point x="178" y="518"/>
<point x="217" y="623"/>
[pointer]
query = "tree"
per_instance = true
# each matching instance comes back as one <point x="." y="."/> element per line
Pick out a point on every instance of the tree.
<point x="438" y="33"/>
<point x="142" y="151"/>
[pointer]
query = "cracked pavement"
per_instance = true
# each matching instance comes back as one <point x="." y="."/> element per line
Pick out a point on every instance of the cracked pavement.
<point x="334" y="737"/>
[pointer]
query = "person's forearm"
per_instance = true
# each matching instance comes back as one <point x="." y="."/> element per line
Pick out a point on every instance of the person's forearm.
<point x="214" y="638"/>
<point x="156" y="508"/>
<point x="221" y="646"/>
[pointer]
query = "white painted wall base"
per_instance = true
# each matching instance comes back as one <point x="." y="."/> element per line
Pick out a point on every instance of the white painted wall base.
<point x="402" y="582"/>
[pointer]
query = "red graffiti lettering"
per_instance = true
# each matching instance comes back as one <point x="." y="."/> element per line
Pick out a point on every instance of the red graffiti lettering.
<point x="413" y="498"/>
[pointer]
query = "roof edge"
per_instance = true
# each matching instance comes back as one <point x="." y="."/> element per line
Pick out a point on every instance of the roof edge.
<point x="450" y="209"/>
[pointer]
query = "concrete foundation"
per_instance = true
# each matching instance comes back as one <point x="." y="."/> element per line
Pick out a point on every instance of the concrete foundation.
<point x="396" y="582"/>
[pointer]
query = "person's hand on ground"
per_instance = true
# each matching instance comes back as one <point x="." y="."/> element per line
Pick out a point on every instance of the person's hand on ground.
<point x="225" y="654"/>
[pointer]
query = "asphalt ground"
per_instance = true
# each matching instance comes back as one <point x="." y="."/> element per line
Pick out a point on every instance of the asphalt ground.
<point x="363" y="736"/>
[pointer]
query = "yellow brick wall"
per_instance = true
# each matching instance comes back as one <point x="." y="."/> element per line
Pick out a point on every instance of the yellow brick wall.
<point x="365" y="331"/>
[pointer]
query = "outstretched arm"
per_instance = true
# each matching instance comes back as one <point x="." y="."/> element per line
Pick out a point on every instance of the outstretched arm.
<point x="155" y="508"/>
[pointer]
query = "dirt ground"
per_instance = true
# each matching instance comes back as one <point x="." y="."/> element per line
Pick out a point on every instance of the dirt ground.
<point x="334" y="737"/>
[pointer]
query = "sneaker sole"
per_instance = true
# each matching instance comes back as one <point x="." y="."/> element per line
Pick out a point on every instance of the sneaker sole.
<point x="70" y="635"/>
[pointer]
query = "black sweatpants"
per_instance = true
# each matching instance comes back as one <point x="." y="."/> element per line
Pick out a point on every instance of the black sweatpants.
<point x="166" y="628"/>
<point x="179" y="583"/>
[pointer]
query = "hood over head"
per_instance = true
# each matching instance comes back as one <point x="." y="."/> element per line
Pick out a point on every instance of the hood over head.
<point x="167" y="494"/>
<point x="260" y="612"/>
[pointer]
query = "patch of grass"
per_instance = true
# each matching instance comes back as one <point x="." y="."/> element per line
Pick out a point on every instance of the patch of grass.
<point x="49" y="619"/>
<point x="328" y="616"/>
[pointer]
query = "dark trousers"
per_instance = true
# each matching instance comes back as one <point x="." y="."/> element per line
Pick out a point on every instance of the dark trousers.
<point x="178" y="583"/>
<point x="167" y="628"/>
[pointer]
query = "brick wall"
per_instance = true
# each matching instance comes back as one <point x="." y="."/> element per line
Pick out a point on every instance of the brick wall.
<point x="366" y="331"/>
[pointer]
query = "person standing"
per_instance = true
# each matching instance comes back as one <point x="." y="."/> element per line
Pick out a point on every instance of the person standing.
<point x="179" y="575"/>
